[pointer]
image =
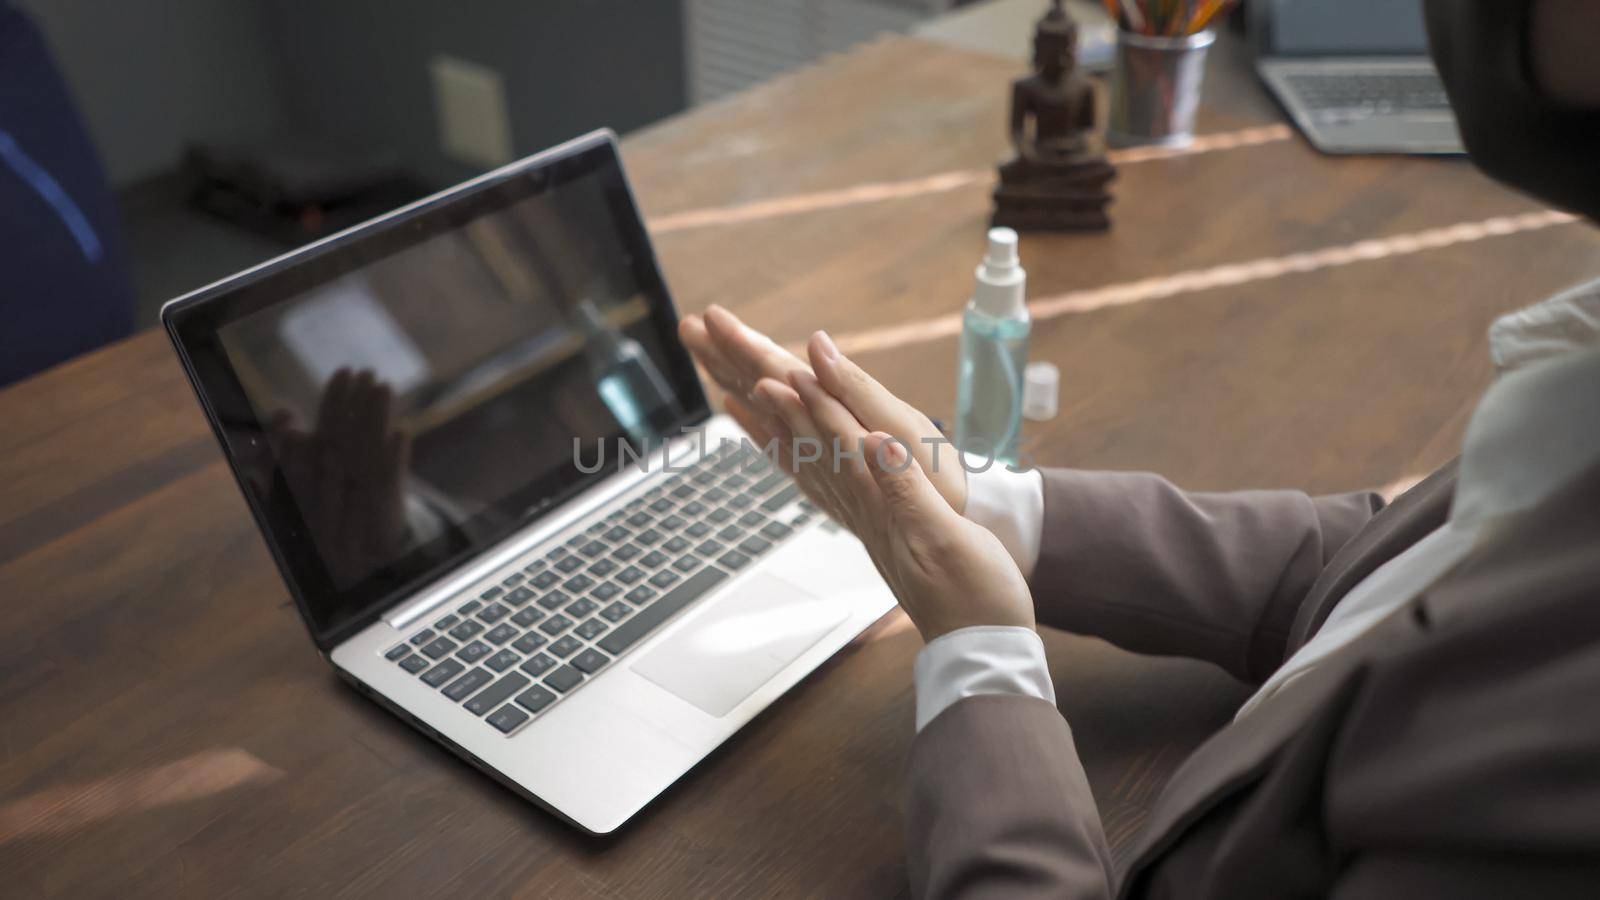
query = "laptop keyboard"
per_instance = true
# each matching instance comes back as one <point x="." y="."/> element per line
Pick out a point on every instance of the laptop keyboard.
<point x="1370" y="94"/>
<point x="572" y="607"/>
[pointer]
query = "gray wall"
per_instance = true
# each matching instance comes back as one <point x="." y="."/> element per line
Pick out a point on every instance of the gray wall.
<point x="357" y="70"/>
<point x="151" y="75"/>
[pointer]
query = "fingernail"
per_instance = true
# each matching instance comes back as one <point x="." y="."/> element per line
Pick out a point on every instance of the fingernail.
<point x="826" y="345"/>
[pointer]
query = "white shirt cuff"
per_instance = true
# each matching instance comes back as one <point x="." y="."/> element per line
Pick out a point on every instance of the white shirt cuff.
<point x="1011" y="505"/>
<point x="984" y="659"/>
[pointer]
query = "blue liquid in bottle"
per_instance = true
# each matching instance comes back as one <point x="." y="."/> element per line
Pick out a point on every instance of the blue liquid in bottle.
<point x="994" y="353"/>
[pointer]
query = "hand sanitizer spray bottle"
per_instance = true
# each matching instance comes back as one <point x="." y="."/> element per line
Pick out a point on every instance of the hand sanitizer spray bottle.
<point x="994" y="351"/>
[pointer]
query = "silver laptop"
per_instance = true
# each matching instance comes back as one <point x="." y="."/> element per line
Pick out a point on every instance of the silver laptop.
<point x="1355" y="74"/>
<point x="487" y="471"/>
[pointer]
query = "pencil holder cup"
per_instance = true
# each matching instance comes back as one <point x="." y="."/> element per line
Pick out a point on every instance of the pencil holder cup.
<point x="1155" y="88"/>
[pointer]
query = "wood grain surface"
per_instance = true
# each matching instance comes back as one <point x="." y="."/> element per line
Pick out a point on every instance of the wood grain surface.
<point x="166" y="727"/>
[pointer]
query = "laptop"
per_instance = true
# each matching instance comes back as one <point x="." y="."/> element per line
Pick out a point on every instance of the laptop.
<point x="1355" y="74"/>
<point x="487" y="472"/>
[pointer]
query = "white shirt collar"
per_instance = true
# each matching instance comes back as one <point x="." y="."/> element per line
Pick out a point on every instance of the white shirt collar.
<point x="1538" y="425"/>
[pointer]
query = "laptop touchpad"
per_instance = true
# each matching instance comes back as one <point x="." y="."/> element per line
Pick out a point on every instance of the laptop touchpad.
<point x="745" y="638"/>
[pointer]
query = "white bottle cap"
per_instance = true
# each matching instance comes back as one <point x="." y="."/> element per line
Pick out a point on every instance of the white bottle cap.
<point x="1041" y="391"/>
<point x="1001" y="279"/>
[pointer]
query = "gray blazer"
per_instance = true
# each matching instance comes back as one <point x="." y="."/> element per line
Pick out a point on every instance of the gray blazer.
<point x="1453" y="751"/>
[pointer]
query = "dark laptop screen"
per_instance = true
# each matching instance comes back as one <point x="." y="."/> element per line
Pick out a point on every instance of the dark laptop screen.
<point x="1346" y="28"/>
<point x="395" y="405"/>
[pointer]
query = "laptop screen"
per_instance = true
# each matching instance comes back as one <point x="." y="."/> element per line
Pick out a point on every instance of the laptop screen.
<point x="398" y="401"/>
<point x="1345" y="28"/>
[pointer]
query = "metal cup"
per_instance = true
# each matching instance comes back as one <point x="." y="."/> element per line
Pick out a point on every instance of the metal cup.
<point x="1156" y="88"/>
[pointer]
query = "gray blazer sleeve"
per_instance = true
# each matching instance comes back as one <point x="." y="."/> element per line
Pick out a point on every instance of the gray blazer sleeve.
<point x="1128" y="557"/>
<point x="999" y="806"/>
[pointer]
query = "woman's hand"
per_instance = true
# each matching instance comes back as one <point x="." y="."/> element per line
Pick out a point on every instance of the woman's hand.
<point x="947" y="572"/>
<point x="738" y="357"/>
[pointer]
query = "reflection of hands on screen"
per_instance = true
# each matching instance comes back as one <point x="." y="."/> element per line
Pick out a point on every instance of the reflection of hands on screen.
<point x="348" y="474"/>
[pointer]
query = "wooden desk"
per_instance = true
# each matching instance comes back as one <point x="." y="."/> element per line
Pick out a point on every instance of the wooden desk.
<point x="168" y="728"/>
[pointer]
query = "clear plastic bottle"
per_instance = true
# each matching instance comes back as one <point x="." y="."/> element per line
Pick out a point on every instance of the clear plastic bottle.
<point x="994" y="351"/>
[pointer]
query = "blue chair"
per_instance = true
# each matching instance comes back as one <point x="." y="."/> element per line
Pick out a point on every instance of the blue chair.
<point x="64" y="285"/>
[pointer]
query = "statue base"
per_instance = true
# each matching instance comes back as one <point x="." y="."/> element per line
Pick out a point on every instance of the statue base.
<point x="1070" y="195"/>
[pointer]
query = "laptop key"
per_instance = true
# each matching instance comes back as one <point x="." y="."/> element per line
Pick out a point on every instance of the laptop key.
<point x="501" y="633"/>
<point x="683" y="490"/>
<point x="491" y="594"/>
<point x="529" y="642"/>
<point x="569" y="565"/>
<point x="776" y="530"/>
<point x="398" y="650"/>
<point x="472" y="606"/>
<point x="719" y="515"/>
<point x="654" y="559"/>
<point x="494" y="612"/>
<point x="422" y="637"/>
<point x="503" y="660"/>
<point x="639" y="595"/>
<point x="649" y="537"/>
<point x="597" y="526"/>
<point x="709" y="548"/>
<point x="605" y="591"/>
<point x="686" y="563"/>
<point x="566" y="646"/>
<point x="593" y="549"/>
<point x="538" y="665"/>
<point x="519" y="596"/>
<point x="473" y="652"/>
<point x="630" y="575"/>
<point x="464" y="686"/>
<point x="769" y="482"/>
<point x="714" y="495"/>
<point x="733" y="559"/>
<point x="590" y="629"/>
<point x="555" y="625"/>
<point x="731" y="533"/>
<point x="692" y="508"/>
<point x="554" y="600"/>
<point x="664" y="578"/>
<point x="442" y="672"/>
<point x="617" y="534"/>
<point x="514" y="578"/>
<point x="507" y="718"/>
<point x="752" y="519"/>
<point x="414" y="663"/>
<point x="616" y="612"/>
<point x="698" y="530"/>
<point x="535" y="699"/>
<point x="577" y="584"/>
<point x="440" y="647"/>
<point x="580" y="608"/>
<point x="754" y="546"/>
<point x="590" y="661"/>
<point x="534" y="566"/>
<point x="640" y="519"/>
<point x="662" y="505"/>
<point x="527" y="616"/>
<point x="496" y="694"/>
<point x="466" y="630"/>
<point x="626" y="552"/>
<point x="782" y="498"/>
<point x="673" y="523"/>
<point x="602" y="568"/>
<point x="564" y="679"/>
<point x="577" y="540"/>
<point x="645" y="620"/>
<point x="446" y="622"/>
<point x="545" y="579"/>
<point x="677" y="545"/>
<point x="742" y="501"/>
